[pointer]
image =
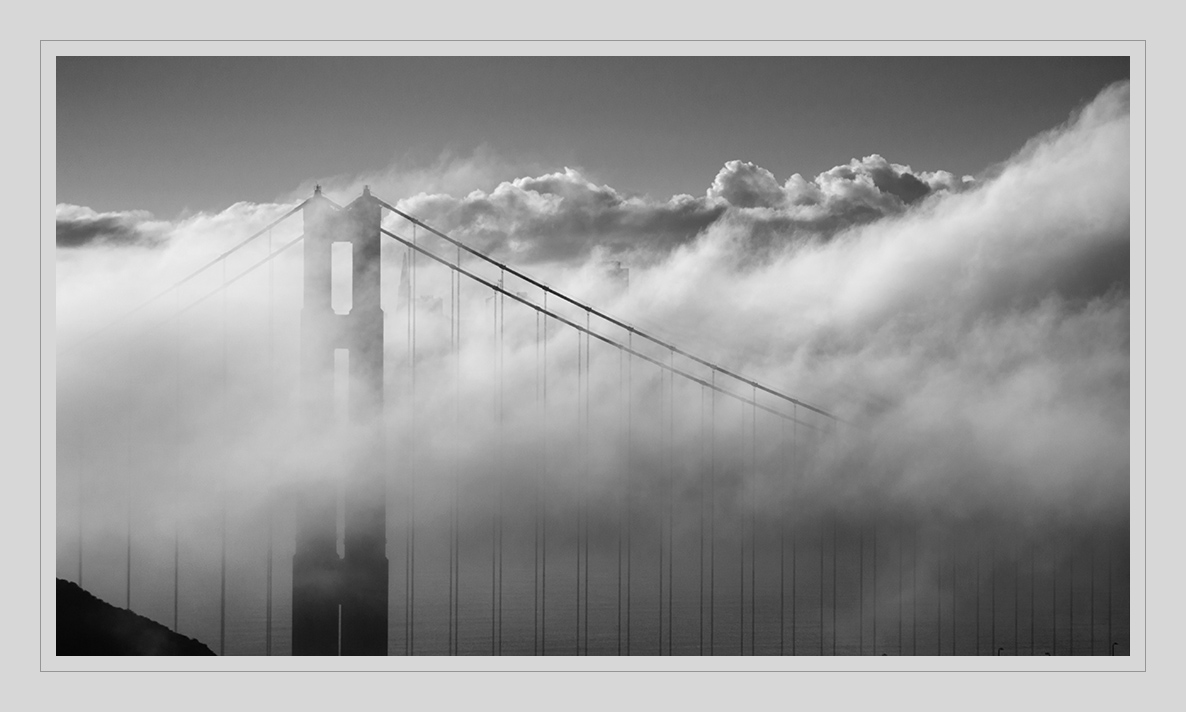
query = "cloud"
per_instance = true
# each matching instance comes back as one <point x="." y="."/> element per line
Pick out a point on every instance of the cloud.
<point x="745" y="185"/>
<point x="563" y="216"/>
<point x="975" y="334"/>
<point x="80" y="226"/>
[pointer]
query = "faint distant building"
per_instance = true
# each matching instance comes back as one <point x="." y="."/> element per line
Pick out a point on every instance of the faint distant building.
<point x="617" y="276"/>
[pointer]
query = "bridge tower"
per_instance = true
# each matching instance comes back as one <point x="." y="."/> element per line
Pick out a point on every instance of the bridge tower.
<point x="351" y="588"/>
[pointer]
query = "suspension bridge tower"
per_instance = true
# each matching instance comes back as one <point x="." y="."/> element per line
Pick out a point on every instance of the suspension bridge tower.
<point x="339" y="601"/>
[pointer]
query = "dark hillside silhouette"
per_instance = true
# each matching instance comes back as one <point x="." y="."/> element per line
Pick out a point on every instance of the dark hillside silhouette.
<point x="89" y="626"/>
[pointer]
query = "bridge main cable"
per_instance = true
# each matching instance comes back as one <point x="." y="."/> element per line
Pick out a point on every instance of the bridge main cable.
<point x="602" y="315"/>
<point x="606" y="339"/>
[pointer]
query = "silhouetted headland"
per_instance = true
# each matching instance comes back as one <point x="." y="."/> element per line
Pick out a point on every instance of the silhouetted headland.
<point x="89" y="626"/>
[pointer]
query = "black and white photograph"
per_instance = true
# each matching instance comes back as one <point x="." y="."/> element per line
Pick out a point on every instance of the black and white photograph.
<point x="776" y="356"/>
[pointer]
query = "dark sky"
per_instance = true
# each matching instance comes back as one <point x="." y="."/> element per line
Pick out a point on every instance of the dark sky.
<point x="200" y="133"/>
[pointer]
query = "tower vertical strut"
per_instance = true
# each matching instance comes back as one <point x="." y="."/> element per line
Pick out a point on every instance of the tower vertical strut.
<point x="340" y="579"/>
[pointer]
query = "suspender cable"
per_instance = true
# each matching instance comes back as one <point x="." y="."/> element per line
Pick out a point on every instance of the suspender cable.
<point x="954" y="626"/>
<point x="1071" y="603"/>
<point x="992" y="598"/>
<point x="128" y="479"/>
<point x="407" y="496"/>
<point x="834" y="588"/>
<point x="898" y="532"/>
<point x="670" y="502"/>
<point x="875" y="588"/>
<point x="741" y="563"/>
<point x="861" y="589"/>
<point x="457" y="476"/>
<point x="1034" y="599"/>
<point x="501" y="307"/>
<point x="1053" y="602"/>
<point x="535" y="519"/>
<point x="977" y="539"/>
<point x="669" y="454"/>
<point x="82" y="460"/>
<point x="1016" y="606"/>
<point x="712" y="506"/>
<point x="495" y="642"/>
<point x="821" y="586"/>
<point x="629" y="478"/>
<point x="543" y="524"/>
<point x="588" y="437"/>
<point x="782" y="545"/>
<point x="662" y="522"/>
<point x="412" y="454"/>
<point x="794" y="532"/>
<point x="834" y="562"/>
<point x="412" y="469"/>
<point x="795" y="509"/>
<point x="753" y="535"/>
<point x="225" y="414"/>
<point x="622" y="502"/>
<point x="1091" y="607"/>
<point x="271" y="445"/>
<point x="939" y="599"/>
<point x="580" y="492"/>
<point x="177" y="462"/>
<point x="701" y="468"/>
<point x="452" y="513"/>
